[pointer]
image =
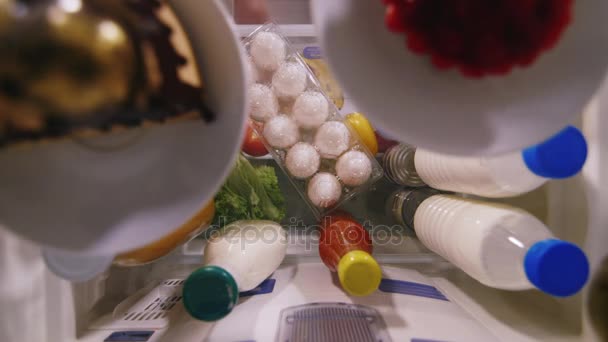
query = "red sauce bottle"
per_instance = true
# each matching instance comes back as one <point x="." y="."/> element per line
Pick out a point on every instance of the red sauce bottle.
<point x="346" y="247"/>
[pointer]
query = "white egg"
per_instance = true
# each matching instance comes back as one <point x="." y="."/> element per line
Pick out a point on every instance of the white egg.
<point x="281" y="132"/>
<point x="324" y="190"/>
<point x="302" y="160"/>
<point x="289" y="81"/>
<point x="252" y="71"/>
<point x="332" y="139"/>
<point x="267" y="51"/>
<point x="263" y="104"/>
<point x="354" y="168"/>
<point x="310" y="110"/>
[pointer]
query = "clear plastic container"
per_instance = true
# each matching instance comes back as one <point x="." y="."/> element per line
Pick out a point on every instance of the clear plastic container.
<point x="500" y="246"/>
<point x="334" y="140"/>
<point x="561" y="156"/>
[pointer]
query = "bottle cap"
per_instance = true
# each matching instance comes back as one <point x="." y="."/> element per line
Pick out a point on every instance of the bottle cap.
<point x="556" y="267"/>
<point x="561" y="156"/>
<point x="210" y="293"/>
<point x="359" y="273"/>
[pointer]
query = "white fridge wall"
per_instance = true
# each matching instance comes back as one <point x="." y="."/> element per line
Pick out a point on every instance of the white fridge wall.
<point x="596" y="244"/>
<point x="34" y="304"/>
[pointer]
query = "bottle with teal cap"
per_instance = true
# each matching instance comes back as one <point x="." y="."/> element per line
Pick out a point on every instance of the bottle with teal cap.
<point x="236" y="259"/>
<point x="560" y="156"/>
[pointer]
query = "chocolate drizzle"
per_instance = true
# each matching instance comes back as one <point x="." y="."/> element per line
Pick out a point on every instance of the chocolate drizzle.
<point x="172" y="98"/>
<point x="183" y="96"/>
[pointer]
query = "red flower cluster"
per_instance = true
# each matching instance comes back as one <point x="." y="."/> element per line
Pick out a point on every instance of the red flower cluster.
<point x="479" y="37"/>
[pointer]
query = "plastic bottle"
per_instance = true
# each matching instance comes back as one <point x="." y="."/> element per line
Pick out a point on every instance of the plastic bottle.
<point x="561" y="156"/>
<point x="346" y="247"/>
<point x="500" y="246"/>
<point x="238" y="259"/>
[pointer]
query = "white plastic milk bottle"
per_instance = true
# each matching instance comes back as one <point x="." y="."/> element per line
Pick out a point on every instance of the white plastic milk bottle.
<point x="237" y="259"/>
<point x="500" y="246"/>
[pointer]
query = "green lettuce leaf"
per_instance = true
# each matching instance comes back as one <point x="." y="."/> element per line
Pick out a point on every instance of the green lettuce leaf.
<point x="249" y="194"/>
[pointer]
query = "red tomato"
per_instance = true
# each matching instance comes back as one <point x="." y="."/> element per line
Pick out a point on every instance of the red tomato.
<point x="253" y="145"/>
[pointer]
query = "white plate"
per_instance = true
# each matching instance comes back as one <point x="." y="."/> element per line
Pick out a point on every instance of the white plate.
<point x="406" y="97"/>
<point x="67" y="196"/>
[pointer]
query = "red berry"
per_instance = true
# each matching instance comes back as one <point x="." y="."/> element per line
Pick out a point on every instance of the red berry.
<point x="528" y="59"/>
<point x="394" y="22"/>
<point x="491" y="53"/>
<point x="416" y="43"/>
<point x="480" y="37"/>
<point x="471" y="72"/>
<point x="441" y="62"/>
<point x="450" y="42"/>
<point x="501" y="69"/>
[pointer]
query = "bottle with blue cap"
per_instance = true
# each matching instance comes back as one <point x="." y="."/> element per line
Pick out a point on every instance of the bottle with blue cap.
<point x="561" y="156"/>
<point x="238" y="258"/>
<point x="500" y="246"/>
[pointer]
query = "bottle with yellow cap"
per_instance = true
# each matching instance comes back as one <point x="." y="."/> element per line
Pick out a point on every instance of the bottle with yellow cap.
<point x="346" y="247"/>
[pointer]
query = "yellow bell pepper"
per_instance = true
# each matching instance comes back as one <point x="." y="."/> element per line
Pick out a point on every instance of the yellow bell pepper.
<point x="364" y="129"/>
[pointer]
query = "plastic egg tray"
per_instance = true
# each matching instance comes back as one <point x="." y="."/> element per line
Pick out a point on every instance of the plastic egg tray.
<point x="307" y="135"/>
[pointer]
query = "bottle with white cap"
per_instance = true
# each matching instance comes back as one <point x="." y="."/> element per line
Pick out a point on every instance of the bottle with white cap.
<point x="238" y="259"/>
<point x="561" y="156"/>
<point x="500" y="246"/>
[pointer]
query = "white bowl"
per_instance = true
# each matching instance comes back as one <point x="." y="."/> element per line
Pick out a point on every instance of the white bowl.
<point x="66" y="196"/>
<point x="405" y="96"/>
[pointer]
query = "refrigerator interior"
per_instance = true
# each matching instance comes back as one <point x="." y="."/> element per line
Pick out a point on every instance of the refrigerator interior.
<point x="437" y="302"/>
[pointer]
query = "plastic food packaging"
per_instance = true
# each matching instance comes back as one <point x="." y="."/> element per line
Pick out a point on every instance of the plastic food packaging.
<point x="307" y="136"/>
